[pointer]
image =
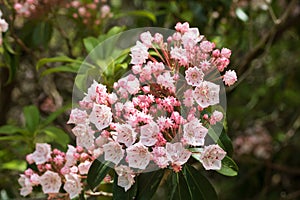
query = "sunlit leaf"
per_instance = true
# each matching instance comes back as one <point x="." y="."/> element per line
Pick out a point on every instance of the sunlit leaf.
<point x="229" y="167"/>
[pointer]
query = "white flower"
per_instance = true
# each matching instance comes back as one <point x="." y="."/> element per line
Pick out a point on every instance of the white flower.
<point x="42" y="153"/>
<point x="113" y="152"/>
<point x="139" y="53"/>
<point x="160" y="156"/>
<point x="206" y="94"/>
<point x="194" y="76"/>
<point x="212" y="156"/>
<point x="72" y="185"/>
<point x="216" y="116"/>
<point x="26" y="187"/>
<point x="146" y="38"/>
<point x="138" y="156"/>
<point x="50" y="182"/>
<point x="166" y="80"/>
<point x="194" y="133"/>
<point x="78" y="117"/>
<point x="149" y="134"/>
<point x="70" y="159"/>
<point x="84" y="167"/>
<point x="126" y="134"/>
<point x="177" y="154"/>
<point x="101" y="116"/>
<point x="125" y="177"/>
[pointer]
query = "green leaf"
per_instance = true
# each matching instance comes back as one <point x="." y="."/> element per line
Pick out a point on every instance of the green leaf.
<point x="179" y="185"/>
<point x="97" y="172"/>
<point x="44" y="61"/>
<point x="10" y="129"/>
<point x="15" y="137"/>
<point x="42" y="34"/>
<point x="148" y="184"/>
<point x="229" y="167"/>
<point x="139" y="13"/>
<point x="56" y="135"/>
<point x="66" y="68"/>
<point x="90" y="43"/>
<point x="32" y="118"/>
<point x="119" y="192"/>
<point x="18" y="165"/>
<point x="54" y="115"/>
<point x="225" y="142"/>
<point x="198" y="184"/>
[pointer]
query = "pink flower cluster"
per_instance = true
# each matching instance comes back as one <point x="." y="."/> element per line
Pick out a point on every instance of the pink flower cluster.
<point x="3" y="26"/>
<point x="56" y="169"/>
<point x="154" y="116"/>
<point x="93" y="12"/>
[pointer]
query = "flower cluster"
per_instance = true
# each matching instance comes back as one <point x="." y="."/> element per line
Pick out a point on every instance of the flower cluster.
<point x="56" y="169"/>
<point x="93" y="12"/>
<point x="162" y="110"/>
<point x="3" y="27"/>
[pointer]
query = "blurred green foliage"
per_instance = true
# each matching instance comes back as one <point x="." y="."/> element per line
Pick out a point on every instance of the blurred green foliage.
<point x="263" y="36"/>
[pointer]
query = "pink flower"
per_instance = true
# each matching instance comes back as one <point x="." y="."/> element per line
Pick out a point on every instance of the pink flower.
<point x="194" y="133"/>
<point x="96" y="93"/>
<point x="216" y="116"/>
<point x="42" y="153"/>
<point x="206" y="94"/>
<point x="72" y="185"/>
<point x="182" y="27"/>
<point x="177" y="154"/>
<point x="126" y="134"/>
<point x="3" y="25"/>
<point x="84" y="167"/>
<point x="139" y="53"/>
<point x="84" y="135"/>
<point x="166" y="80"/>
<point x="125" y="177"/>
<point x="160" y="157"/>
<point x="78" y="117"/>
<point x="194" y="76"/>
<point x="158" y="38"/>
<point x="113" y="152"/>
<point x="205" y="65"/>
<point x="207" y="46"/>
<point x="34" y="179"/>
<point x="212" y="156"/>
<point x="101" y="116"/>
<point x="190" y="38"/>
<point x="226" y="53"/>
<point x="138" y="156"/>
<point x="229" y="77"/>
<point x="149" y="134"/>
<point x="130" y="83"/>
<point x="188" y="98"/>
<point x="179" y="54"/>
<point x="146" y="38"/>
<point x="50" y="182"/>
<point x="164" y="123"/>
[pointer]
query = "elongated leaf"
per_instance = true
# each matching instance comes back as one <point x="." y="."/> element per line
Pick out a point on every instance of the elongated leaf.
<point x="56" y="135"/>
<point x="66" y="68"/>
<point x="14" y="137"/>
<point x="10" y="129"/>
<point x="97" y="172"/>
<point x="90" y="43"/>
<point x="44" y="61"/>
<point x="229" y="167"/>
<point x="225" y="142"/>
<point x="32" y="118"/>
<point x="54" y="115"/>
<point x="148" y="184"/>
<point x="42" y="33"/>
<point x="199" y="186"/>
<point x="119" y="192"/>
<point x="180" y="189"/>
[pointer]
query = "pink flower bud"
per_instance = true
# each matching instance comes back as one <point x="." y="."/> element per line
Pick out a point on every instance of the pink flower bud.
<point x="28" y="172"/>
<point x="48" y="166"/>
<point x="79" y="149"/>
<point x="65" y="170"/>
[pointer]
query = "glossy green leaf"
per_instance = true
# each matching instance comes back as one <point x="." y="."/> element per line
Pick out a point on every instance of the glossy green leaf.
<point x="222" y="140"/>
<point x="12" y="138"/>
<point x="229" y="167"/>
<point x="32" y="118"/>
<point x="199" y="186"/>
<point x="148" y="184"/>
<point x="179" y="187"/>
<point x="97" y="173"/>
<point x="119" y="192"/>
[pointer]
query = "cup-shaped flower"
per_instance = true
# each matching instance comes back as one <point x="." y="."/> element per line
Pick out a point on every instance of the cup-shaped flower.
<point x="194" y="133"/>
<point x="212" y="156"/>
<point x="50" y="182"/>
